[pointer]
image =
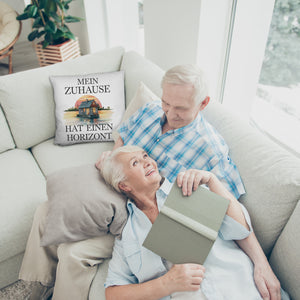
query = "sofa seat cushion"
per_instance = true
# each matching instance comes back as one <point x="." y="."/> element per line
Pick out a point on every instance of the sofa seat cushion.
<point x="51" y="157"/>
<point x="270" y="174"/>
<point x="6" y="141"/>
<point x="23" y="187"/>
<point x="97" y="290"/>
<point x="29" y="106"/>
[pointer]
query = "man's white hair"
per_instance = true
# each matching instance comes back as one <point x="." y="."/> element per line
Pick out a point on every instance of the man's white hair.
<point x="112" y="170"/>
<point x="188" y="74"/>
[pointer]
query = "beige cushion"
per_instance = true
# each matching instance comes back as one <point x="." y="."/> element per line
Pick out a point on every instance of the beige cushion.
<point x="6" y="141"/>
<point x="34" y="120"/>
<point x="53" y="158"/>
<point x="23" y="187"/>
<point x="82" y="206"/>
<point x="142" y="96"/>
<point x="9" y="26"/>
<point x="271" y="175"/>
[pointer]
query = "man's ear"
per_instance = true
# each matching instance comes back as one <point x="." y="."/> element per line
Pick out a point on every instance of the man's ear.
<point x="204" y="103"/>
<point x="124" y="187"/>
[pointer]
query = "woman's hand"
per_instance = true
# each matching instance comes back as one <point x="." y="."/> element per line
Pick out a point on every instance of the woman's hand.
<point x="183" y="277"/>
<point x="102" y="157"/>
<point x="266" y="282"/>
<point x="189" y="180"/>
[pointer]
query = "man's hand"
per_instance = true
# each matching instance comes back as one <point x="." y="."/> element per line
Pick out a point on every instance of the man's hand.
<point x="183" y="277"/>
<point x="266" y="282"/>
<point x="189" y="180"/>
<point x="102" y="157"/>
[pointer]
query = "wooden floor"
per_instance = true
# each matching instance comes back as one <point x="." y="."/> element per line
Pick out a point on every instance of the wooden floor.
<point x="23" y="58"/>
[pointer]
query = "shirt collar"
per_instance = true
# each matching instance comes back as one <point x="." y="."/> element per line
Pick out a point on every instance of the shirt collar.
<point x="161" y="195"/>
<point x="183" y="129"/>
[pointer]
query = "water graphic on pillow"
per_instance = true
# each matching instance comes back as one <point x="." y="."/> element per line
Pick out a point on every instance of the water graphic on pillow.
<point x="88" y="107"/>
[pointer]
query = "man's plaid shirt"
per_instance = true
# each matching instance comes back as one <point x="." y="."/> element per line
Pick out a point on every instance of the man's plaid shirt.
<point x="195" y="146"/>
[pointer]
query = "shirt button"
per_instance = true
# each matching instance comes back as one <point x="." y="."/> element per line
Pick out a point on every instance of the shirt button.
<point x="157" y="140"/>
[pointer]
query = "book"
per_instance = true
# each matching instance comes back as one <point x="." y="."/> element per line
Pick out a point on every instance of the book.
<point x="187" y="226"/>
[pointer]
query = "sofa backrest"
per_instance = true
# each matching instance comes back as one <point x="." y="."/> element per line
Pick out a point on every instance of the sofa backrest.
<point x="27" y="97"/>
<point x="6" y="141"/>
<point x="270" y="174"/>
<point x="138" y="69"/>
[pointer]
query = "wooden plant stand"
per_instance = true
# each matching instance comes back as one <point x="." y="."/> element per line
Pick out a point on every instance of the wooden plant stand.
<point x="57" y="53"/>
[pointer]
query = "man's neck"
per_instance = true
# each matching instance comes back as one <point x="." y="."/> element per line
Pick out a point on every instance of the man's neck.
<point x="166" y="127"/>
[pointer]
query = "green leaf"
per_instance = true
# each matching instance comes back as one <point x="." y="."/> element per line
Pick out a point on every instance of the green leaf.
<point x="71" y="19"/>
<point x="56" y="17"/>
<point x="50" y="6"/>
<point x="41" y="33"/>
<point x="42" y="4"/>
<point x="38" y="23"/>
<point x="33" y="35"/>
<point x="23" y="16"/>
<point x="45" y="44"/>
<point x="32" y="11"/>
<point x="51" y="27"/>
<point x="48" y="37"/>
<point x="60" y="5"/>
<point x="70" y="35"/>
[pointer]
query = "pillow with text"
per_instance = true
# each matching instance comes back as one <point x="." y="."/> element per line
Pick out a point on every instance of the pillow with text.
<point x="87" y="107"/>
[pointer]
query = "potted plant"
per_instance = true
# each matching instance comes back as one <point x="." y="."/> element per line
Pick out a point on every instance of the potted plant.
<point x="49" y="25"/>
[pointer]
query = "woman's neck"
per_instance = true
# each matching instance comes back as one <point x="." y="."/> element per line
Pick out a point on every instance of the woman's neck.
<point x="146" y="202"/>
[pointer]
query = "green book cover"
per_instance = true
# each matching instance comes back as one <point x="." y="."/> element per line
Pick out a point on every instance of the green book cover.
<point x="187" y="226"/>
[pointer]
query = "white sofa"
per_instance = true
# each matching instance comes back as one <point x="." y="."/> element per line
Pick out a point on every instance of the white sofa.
<point x="27" y="154"/>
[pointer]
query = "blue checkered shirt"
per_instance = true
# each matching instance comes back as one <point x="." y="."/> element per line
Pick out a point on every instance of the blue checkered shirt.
<point x="195" y="146"/>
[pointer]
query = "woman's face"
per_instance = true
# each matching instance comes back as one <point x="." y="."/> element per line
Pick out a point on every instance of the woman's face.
<point x="140" y="170"/>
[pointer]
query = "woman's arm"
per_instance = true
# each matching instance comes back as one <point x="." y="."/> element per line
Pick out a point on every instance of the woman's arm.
<point x="183" y="277"/>
<point x="119" y="143"/>
<point x="264" y="277"/>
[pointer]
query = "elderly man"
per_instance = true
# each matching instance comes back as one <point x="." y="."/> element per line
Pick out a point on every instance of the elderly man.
<point x="141" y="274"/>
<point x="176" y="135"/>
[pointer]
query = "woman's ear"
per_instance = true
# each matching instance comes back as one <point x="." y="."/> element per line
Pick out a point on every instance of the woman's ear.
<point x="124" y="187"/>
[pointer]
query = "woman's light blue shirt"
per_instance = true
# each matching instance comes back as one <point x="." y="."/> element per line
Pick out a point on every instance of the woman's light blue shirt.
<point x="229" y="271"/>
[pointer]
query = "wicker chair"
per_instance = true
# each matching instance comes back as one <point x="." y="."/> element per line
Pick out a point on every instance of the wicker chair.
<point x="10" y="30"/>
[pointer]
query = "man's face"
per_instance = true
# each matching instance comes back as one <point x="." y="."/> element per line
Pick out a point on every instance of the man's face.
<point x="179" y="105"/>
<point x="140" y="170"/>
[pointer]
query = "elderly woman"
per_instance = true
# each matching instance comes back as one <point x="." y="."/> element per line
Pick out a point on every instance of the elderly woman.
<point x="137" y="273"/>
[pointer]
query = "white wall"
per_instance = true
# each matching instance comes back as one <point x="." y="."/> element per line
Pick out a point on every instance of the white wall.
<point x="192" y="31"/>
<point x="171" y="31"/>
<point x="123" y="23"/>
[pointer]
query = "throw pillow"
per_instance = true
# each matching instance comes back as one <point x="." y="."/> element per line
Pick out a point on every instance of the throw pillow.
<point x="81" y="206"/>
<point x="87" y="107"/>
<point x="142" y="96"/>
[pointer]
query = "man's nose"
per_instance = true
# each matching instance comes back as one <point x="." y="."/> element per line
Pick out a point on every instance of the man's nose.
<point x="170" y="112"/>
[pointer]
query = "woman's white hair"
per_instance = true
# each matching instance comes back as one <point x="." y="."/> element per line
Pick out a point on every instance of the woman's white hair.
<point x="112" y="170"/>
<point x="188" y="74"/>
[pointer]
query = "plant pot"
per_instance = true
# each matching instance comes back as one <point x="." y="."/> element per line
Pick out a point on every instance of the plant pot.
<point x="57" y="53"/>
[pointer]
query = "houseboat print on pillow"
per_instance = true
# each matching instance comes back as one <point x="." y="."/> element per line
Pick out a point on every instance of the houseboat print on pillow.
<point x="88" y="107"/>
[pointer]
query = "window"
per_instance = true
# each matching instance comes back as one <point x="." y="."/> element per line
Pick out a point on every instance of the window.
<point x="276" y="108"/>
